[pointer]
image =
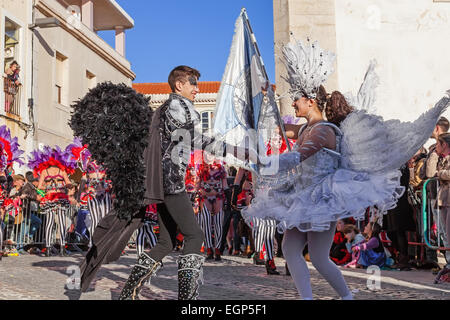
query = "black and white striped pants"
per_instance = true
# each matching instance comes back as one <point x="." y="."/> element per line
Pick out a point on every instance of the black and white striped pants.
<point x="146" y="231"/>
<point x="264" y="234"/>
<point x="59" y="212"/>
<point x="206" y="221"/>
<point x="98" y="208"/>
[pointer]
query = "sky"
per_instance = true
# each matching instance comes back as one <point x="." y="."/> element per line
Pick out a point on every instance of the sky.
<point x="197" y="33"/>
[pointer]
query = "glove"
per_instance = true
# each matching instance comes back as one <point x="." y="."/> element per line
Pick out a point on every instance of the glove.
<point x="286" y="161"/>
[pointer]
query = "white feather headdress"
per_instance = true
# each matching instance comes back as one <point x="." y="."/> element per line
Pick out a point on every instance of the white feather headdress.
<point x="308" y="67"/>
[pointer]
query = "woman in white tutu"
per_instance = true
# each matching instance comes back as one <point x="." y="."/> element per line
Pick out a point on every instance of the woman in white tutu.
<point x="338" y="167"/>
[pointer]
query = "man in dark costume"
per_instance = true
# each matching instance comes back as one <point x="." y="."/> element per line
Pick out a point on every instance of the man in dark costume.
<point x="170" y="139"/>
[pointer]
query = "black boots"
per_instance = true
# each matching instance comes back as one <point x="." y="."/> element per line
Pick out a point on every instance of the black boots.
<point x="271" y="268"/>
<point x="217" y="255"/>
<point x="209" y="254"/>
<point x="141" y="272"/>
<point x="189" y="273"/>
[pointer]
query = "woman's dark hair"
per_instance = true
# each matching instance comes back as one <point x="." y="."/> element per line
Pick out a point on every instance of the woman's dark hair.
<point x="444" y="138"/>
<point x="321" y="98"/>
<point x="337" y="108"/>
<point x="376" y="229"/>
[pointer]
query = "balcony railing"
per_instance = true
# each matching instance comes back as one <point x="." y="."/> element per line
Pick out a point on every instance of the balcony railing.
<point x="12" y="96"/>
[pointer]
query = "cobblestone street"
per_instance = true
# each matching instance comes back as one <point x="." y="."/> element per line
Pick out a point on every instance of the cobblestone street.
<point x="34" y="277"/>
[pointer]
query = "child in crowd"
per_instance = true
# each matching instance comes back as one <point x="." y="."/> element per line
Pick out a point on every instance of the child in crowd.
<point x="371" y="252"/>
<point x="353" y="236"/>
<point x="338" y="252"/>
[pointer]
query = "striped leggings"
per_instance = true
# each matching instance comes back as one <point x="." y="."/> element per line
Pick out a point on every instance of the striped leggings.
<point x="146" y="231"/>
<point x="263" y="232"/>
<point x="206" y="220"/>
<point x="98" y="208"/>
<point x="60" y="212"/>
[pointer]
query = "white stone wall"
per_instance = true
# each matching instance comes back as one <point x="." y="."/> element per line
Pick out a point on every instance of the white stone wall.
<point x="410" y="41"/>
<point x="20" y="12"/>
<point x="408" y="38"/>
<point x="52" y="118"/>
<point x="304" y="18"/>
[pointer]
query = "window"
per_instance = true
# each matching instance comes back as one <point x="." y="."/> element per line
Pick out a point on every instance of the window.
<point x="207" y="117"/>
<point x="12" y="82"/>
<point x="61" y="77"/>
<point x="11" y="42"/>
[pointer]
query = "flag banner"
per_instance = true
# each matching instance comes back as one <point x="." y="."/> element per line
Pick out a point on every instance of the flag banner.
<point x="243" y="115"/>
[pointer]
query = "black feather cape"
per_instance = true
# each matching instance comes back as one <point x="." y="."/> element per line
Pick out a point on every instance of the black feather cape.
<point x="114" y="121"/>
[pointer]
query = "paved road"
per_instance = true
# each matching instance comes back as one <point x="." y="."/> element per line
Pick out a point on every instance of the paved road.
<point x="34" y="277"/>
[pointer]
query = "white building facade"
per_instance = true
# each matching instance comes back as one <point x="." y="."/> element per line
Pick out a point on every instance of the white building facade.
<point x="55" y="42"/>
<point x="408" y="38"/>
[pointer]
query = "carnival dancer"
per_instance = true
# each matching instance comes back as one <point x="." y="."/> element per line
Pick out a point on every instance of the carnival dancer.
<point x="97" y="195"/>
<point x="118" y="139"/>
<point x="147" y="230"/>
<point x="53" y="166"/>
<point x="212" y="184"/>
<point x="82" y="156"/>
<point x="9" y="154"/>
<point x="337" y="168"/>
<point x="263" y="230"/>
<point x="192" y="183"/>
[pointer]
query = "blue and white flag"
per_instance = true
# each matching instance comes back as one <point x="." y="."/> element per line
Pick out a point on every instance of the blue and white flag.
<point x="240" y="97"/>
<point x="243" y="116"/>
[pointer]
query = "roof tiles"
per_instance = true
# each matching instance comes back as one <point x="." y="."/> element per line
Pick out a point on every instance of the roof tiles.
<point x="164" y="88"/>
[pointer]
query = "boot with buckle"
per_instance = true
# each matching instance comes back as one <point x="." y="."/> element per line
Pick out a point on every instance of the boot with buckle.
<point x="141" y="272"/>
<point x="190" y="274"/>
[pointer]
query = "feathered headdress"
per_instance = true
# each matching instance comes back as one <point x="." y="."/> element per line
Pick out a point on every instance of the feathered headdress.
<point x="80" y="153"/>
<point x="308" y="67"/>
<point x="9" y="149"/>
<point x="52" y="157"/>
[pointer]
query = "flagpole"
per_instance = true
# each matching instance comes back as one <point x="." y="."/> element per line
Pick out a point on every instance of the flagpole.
<point x="263" y="67"/>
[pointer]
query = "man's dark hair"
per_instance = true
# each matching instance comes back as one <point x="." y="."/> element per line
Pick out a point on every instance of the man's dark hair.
<point x="181" y="73"/>
<point x="444" y="137"/>
<point x="30" y="177"/>
<point x="443" y="124"/>
<point x="13" y="63"/>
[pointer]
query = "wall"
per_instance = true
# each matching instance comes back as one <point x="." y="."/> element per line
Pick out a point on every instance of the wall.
<point x="52" y="118"/>
<point x="304" y="18"/>
<point x="409" y="40"/>
<point x="20" y="12"/>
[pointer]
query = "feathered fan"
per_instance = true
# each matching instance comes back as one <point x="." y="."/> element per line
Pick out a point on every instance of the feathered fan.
<point x="114" y="121"/>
